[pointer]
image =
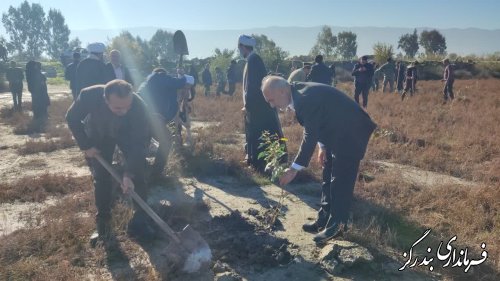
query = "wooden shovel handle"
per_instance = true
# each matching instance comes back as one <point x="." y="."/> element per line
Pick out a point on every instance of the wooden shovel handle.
<point x="163" y="225"/>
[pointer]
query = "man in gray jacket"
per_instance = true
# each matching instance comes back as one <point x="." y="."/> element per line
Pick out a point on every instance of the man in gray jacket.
<point x="341" y="129"/>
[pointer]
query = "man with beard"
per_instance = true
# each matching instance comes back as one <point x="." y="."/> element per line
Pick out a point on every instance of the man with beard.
<point x="259" y="116"/>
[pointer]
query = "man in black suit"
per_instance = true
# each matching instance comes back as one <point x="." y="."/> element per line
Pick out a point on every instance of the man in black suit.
<point x="92" y="70"/>
<point x="341" y="128"/>
<point x="259" y="116"/>
<point x="70" y="74"/>
<point x="115" y="69"/>
<point x="363" y="79"/>
<point x="320" y="73"/>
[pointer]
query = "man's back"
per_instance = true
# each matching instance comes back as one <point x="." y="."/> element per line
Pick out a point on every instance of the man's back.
<point x="160" y="93"/>
<point x="90" y="72"/>
<point x="320" y="73"/>
<point x="15" y="75"/>
<point x="327" y="109"/>
<point x="298" y="75"/>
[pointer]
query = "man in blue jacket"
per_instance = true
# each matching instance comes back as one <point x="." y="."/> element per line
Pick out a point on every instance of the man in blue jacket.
<point x="160" y="94"/>
<point x="320" y="73"/>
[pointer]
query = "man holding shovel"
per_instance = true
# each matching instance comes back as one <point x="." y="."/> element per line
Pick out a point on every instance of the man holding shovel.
<point x="339" y="126"/>
<point x="102" y="117"/>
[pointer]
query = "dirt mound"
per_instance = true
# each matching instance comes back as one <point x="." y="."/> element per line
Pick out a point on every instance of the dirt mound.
<point x="236" y="241"/>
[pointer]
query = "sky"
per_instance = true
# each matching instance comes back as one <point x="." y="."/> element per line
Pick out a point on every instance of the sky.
<point x="232" y="14"/>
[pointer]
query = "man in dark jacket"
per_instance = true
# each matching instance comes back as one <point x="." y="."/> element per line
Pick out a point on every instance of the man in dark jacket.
<point x="206" y="76"/>
<point x="339" y="126"/>
<point x="320" y="73"/>
<point x="102" y="117"/>
<point x="15" y="77"/>
<point x="92" y="70"/>
<point x="259" y="116"/>
<point x="160" y="94"/>
<point x="70" y="74"/>
<point x="231" y="77"/>
<point x="363" y="77"/>
<point x="115" y="69"/>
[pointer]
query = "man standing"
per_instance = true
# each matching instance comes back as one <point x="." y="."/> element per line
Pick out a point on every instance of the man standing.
<point x="102" y="117"/>
<point x="15" y="77"/>
<point x="70" y="74"/>
<point x="206" y="76"/>
<point x="363" y="77"/>
<point x="221" y="83"/>
<point x="160" y="94"/>
<point x="341" y="129"/>
<point x="389" y="71"/>
<point x="449" y="79"/>
<point x="92" y="70"/>
<point x="410" y="79"/>
<point x="320" y="73"/>
<point x="300" y="74"/>
<point x="400" y="70"/>
<point x="115" y="68"/>
<point x="231" y="77"/>
<point x="259" y="116"/>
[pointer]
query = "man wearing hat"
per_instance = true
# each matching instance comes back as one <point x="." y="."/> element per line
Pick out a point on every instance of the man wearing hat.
<point x="300" y="74"/>
<point x="363" y="78"/>
<point x="92" y="70"/>
<point x="259" y="115"/>
<point x="70" y="74"/>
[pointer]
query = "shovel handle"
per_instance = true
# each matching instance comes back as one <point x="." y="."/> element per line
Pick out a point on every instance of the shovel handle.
<point x="163" y="225"/>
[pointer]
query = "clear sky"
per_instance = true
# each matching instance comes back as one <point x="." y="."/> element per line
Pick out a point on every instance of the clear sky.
<point x="233" y="14"/>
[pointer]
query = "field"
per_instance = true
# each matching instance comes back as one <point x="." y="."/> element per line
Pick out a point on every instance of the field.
<point x="428" y="166"/>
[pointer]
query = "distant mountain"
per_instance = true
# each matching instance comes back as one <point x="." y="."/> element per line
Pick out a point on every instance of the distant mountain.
<point x="299" y="40"/>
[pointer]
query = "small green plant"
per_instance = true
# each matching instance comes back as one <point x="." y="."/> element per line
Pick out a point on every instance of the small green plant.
<point x="273" y="154"/>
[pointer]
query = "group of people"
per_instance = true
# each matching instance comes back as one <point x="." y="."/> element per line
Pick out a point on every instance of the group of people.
<point x="37" y="86"/>
<point x="106" y="113"/>
<point x="221" y="79"/>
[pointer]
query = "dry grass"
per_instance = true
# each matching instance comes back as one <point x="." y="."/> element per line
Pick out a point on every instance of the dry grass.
<point x="37" y="189"/>
<point x="33" y="146"/>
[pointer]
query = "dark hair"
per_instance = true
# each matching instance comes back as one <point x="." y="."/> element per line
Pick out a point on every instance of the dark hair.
<point x="318" y="59"/>
<point x="119" y="87"/>
<point x="76" y="55"/>
<point x="364" y="58"/>
<point x="233" y="61"/>
<point x="389" y="59"/>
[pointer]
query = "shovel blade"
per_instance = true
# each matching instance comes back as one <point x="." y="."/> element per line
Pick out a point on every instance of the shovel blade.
<point x="180" y="43"/>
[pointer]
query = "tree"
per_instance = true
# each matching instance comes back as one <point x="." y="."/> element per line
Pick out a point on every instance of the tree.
<point x="74" y="44"/>
<point x="325" y="43"/>
<point x="271" y="54"/>
<point x="433" y="42"/>
<point x="162" y="46"/>
<point x="57" y="35"/>
<point x="3" y="49"/>
<point x="346" y="45"/>
<point x="382" y="52"/>
<point x="26" y="28"/>
<point x="409" y="43"/>
<point x="221" y="59"/>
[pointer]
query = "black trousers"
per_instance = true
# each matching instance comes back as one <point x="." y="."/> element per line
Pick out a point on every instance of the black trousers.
<point x="339" y="177"/>
<point x="448" y="90"/>
<point x="363" y="89"/>
<point x="102" y="178"/>
<point x="232" y="87"/>
<point x="17" y="94"/>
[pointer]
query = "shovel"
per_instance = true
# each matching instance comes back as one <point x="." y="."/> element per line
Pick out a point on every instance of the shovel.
<point x="180" y="45"/>
<point x="192" y="248"/>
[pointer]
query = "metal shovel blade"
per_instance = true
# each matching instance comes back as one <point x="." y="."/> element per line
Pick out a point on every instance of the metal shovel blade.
<point x="180" y="43"/>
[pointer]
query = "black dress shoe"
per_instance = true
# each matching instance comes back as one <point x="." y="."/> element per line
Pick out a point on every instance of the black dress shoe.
<point x="315" y="226"/>
<point x="331" y="231"/>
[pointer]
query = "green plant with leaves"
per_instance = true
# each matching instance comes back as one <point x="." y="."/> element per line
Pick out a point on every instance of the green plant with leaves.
<point x="274" y="151"/>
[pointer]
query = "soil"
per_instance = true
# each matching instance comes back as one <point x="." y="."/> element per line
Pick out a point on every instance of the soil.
<point x="230" y="217"/>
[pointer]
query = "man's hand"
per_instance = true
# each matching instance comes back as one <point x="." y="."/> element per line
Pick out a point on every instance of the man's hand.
<point x="127" y="184"/>
<point x="91" y="152"/>
<point x="288" y="176"/>
<point x="321" y="156"/>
